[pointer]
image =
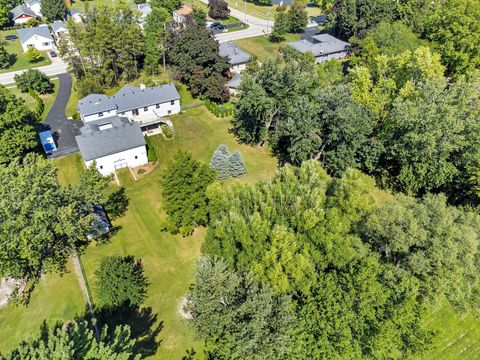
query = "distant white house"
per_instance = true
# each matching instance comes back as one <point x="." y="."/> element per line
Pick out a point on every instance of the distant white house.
<point x="237" y="57"/>
<point x="323" y="46"/>
<point x="180" y="15"/>
<point x="35" y="6"/>
<point x="59" y="28"/>
<point x="144" y="9"/>
<point x="115" y="144"/>
<point x="21" y="14"/>
<point x="76" y="15"/>
<point x="37" y="37"/>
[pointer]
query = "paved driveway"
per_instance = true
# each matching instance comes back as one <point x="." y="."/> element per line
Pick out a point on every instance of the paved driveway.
<point x="64" y="130"/>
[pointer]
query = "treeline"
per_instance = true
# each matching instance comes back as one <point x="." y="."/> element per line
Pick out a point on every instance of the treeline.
<point x="393" y="114"/>
<point x="309" y="266"/>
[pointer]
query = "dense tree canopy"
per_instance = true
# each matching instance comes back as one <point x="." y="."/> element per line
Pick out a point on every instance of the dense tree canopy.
<point x="184" y="193"/>
<point x="17" y="127"/>
<point x="43" y="223"/>
<point x="218" y="9"/>
<point x="120" y="282"/>
<point x="54" y="9"/>
<point x="196" y="60"/>
<point x="155" y="37"/>
<point x="35" y="80"/>
<point x="76" y="341"/>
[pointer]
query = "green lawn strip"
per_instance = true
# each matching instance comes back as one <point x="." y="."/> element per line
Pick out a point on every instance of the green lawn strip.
<point x="80" y="5"/>
<point x="55" y="298"/>
<point x="458" y="336"/>
<point x="262" y="47"/>
<point x="255" y="9"/>
<point x="14" y="48"/>
<point x="70" y="167"/>
<point x="48" y="99"/>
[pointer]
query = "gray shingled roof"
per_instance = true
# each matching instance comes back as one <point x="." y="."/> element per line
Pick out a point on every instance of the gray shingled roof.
<point x="234" y="53"/>
<point x="323" y="44"/>
<point x="95" y="143"/>
<point x="19" y="10"/>
<point x="26" y="34"/>
<point x="128" y="98"/>
<point x="145" y="9"/>
<point x="57" y="25"/>
<point x="31" y="2"/>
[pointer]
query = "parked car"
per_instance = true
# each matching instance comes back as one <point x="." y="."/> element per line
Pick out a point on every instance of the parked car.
<point x="217" y="26"/>
<point x="53" y="54"/>
<point x="100" y="224"/>
<point x="11" y="37"/>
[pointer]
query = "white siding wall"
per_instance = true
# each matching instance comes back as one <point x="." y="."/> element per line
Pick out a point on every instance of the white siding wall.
<point x="339" y="55"/>
<point x="107" y="164"/>
<point x="238" y="68"/>
<point x="93" y="117"/>
<point x="37" y="9"/>
<point x="20" y="20"/>
<point x="38" y="42"/>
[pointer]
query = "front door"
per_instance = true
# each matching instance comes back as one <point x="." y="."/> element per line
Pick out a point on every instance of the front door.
<point x="119" y="164"/>
<point x="135" y="112"/>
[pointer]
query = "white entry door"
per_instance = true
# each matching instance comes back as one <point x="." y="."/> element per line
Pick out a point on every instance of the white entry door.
<point x="120" y="164"/>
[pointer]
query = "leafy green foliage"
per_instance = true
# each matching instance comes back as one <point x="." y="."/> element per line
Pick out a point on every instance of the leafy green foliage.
<point x="197" y="62"/>
<point x="218" y="9"/>
<point x="76" y="341"/>
<point x="54" y="9"/>
<point x="199" y="16"/>
<point x="106" y="49"/>
<point x="155" y="37"/>
<point x="169" y="5"/>
<point x="297" y="17"/>
<point x="4" y="58"/>
<point x="226" y="164"/>
<point x="120" y="282"/>
<point x="44" y="223"/>
<point x="281" y="27"/>
<point x="183" y="192"/>
<point x="151" y="154"/>
<point x="238" y="318"/>
<point x="17" y="127"/>
<point x="34" y="79"/>
<point x="33" y="55"/>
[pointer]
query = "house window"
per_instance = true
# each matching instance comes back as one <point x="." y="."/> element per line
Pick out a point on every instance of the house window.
<point x="169" y="112"/>
<point x="136" y="157"/>
<point x="145" y="108"/>
<point x="172" y="102"/>
<point x="101" y="166"/>
<point x="157" y="106"/>
<point x="100" y="114"/>
<point x="46" y="44"/>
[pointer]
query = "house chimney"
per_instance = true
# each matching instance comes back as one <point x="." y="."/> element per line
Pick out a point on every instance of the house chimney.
<point x="236" y="50"/>
<point x="142" y="86"/>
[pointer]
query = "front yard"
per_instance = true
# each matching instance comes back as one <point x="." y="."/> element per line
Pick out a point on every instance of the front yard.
<point x="262" y="47"/>
<point x="17" y="58"/>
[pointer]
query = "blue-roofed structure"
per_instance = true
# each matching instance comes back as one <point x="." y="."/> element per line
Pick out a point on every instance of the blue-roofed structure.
<point x="46" y="138"/>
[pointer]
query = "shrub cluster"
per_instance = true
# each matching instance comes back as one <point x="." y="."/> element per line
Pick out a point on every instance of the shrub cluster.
<point x="227" y="164"/>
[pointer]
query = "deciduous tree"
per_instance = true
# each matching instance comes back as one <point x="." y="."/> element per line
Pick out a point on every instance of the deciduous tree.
<point x="36" y="80"/>
<point x="54" y="9"/>
<point x="4" y="58"/>
<point x="218" y="9"/>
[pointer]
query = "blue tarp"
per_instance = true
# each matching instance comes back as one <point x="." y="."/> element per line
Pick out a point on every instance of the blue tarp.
<point x="46" y="138"/>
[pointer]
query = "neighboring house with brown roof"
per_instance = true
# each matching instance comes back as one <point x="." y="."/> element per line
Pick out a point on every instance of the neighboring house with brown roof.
<point x="180" y="15"/>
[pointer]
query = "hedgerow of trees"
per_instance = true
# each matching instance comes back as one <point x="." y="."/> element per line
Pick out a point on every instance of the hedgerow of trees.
<point x="34" y="79"/>
<point x="309" y="266"/>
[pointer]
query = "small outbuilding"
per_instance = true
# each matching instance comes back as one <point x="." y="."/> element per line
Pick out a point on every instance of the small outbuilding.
<point x="21" y="14"/>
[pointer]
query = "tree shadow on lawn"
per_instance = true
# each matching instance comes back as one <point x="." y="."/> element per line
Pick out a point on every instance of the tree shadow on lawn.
<point x="142" y="322"/>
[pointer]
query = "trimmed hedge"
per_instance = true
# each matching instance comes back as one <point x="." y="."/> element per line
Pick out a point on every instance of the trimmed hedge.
<point x="40" y="106"/>
<point x="218" y="110"/>
<point x="151" y="155"/>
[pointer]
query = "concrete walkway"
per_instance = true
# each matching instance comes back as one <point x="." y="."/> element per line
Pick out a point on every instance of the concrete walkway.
<point x="56" y="67"/>
<point x="64" y="130"/>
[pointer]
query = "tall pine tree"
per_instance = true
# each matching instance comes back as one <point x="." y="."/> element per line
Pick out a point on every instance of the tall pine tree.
<point x="54" y="9"/>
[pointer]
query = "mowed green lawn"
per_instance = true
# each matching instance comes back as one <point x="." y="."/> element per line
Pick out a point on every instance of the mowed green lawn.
<point x="168" y="259"/>
<point x="262" y="47"/>
<point x="17" y="58"/>
<point x="48" y="99"/>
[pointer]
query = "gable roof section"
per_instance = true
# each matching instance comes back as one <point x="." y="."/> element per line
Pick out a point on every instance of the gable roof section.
<point x="128" y="98"/>
<point x="145" y="9"/>
<point x="58" y="26"/>
<point x="322" y="44"/>
<point x="122" y="136"/>
<point x="32" y="2"/>
<point x="28" y="33"/>
<point x="20" y="10"/>
<point x="234" y="53"/>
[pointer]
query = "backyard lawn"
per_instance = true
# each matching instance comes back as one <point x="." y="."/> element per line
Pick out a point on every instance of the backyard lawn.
<point x="262" y="47"/>
<point x="48" y="99"/>
<point x="168" y="259"/>
<point x="17" y="59"/>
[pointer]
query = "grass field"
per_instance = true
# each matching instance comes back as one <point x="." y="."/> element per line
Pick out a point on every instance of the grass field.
<point x="262" y="47"/>
<point x="48" y="99"/>
<point x="17" y="58"/>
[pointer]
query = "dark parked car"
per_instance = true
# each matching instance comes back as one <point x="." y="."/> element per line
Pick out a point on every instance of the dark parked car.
<point x="11" y="37"/>
<point x="53" y="54"/>
<point x="100" y="224"/>
<point x="217" y="26"/>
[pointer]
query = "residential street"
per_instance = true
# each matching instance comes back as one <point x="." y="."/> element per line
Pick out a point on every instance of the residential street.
<point x="64" y="130"/>
<point x="256" y="26"/>
<point x="56" y="67"/>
